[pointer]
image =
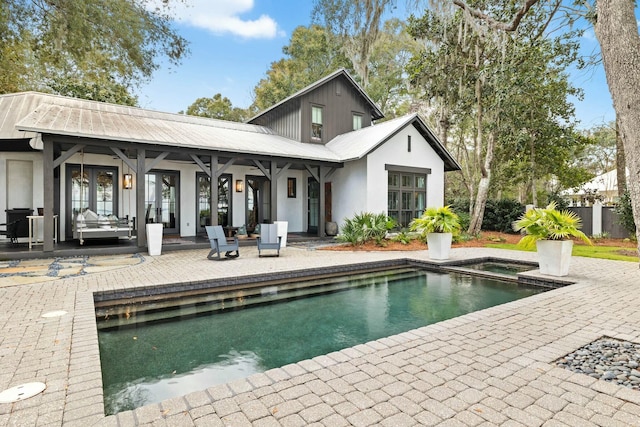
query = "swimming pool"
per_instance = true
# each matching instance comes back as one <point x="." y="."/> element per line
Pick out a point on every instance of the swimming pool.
<point x="159" y="350"/>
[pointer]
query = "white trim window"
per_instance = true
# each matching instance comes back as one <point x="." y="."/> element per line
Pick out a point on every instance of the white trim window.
<point x="357" y="121"/>
<point x="316" y="123"/>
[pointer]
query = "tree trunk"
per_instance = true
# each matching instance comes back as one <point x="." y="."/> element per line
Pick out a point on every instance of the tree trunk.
<point x="621" y="163"/>
<point x="617" y="31"/>
<point x="475" y="225"/>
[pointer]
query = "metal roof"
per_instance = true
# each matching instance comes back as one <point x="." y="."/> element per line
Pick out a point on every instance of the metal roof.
<point x="23" y="115"/>
<point x="199" y="134"/>
<point x="357" y="144"/>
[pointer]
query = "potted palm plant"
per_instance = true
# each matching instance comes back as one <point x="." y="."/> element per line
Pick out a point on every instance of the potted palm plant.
<point x="550" y="231"/>
<point x="438" y="225"/>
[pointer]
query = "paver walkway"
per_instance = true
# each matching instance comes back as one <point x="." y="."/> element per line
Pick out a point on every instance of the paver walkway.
<point x="492" y="367"/>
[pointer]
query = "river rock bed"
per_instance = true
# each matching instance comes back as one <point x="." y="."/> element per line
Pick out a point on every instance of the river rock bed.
<point x="607" y="359"/>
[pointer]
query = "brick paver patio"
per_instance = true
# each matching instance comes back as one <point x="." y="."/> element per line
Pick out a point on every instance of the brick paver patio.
<point x="492" y="367"/>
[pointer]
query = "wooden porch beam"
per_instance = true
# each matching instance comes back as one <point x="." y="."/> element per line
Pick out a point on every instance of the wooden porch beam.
<point x="262" y="168"/>
<point x="200" y="163"/>
<point x="214" y="173"/>
<point x="283" y="170"/>
<point x="274" y="191"/>
<point x="141" y="214"/>
<point x="155" y="161"/>
<point x="67" y="154"/>
<point x="312" y="172"/>
<point x="123" y="157"/>
<point x="48" y="167"/>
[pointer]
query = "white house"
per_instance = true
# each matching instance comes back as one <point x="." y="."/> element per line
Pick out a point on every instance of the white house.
<point x="312" y="158"/>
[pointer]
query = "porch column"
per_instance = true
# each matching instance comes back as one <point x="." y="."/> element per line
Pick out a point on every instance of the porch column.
<point x="321" y="201"/>
<point x="48" y="186"/>
<point x="141" y="207"/>
<point x="274" y="191"/>
<point x="213" y="190"/>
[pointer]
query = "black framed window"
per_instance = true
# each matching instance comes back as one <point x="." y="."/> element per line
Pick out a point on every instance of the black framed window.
<point x="316" y="122"/>
<point x="406" y="196"/>
<point x="291" y="188"/>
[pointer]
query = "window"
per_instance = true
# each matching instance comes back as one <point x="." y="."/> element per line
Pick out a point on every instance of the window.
<point x="357" y="121"/>
<point x="406" y="196"/>
<point x="291" y="188"/>
<point x="316" y="123"/>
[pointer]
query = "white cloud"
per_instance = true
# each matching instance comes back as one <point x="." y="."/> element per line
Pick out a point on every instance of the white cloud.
<point x="224" y="17"/>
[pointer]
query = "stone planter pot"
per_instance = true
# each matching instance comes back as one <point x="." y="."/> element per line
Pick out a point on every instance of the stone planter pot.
<point x="554" y="256"/>
<point x="439" y="245"/>
<point x="154" y="239"/>
<point x="331" y="228"/>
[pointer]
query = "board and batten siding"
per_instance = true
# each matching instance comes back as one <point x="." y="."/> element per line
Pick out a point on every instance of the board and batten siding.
<point x="339" y="100"/>
<point x="284" y="120"/>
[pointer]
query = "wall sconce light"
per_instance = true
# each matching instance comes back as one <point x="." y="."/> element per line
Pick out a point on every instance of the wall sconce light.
<point x="127" y="181"/>
<point x="239" y="186"/>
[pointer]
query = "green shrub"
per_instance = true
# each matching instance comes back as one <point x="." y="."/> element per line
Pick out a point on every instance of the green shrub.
<point x="500" y="214"/>
<point x="625" y="213"/>
<point x="366" y="226"/>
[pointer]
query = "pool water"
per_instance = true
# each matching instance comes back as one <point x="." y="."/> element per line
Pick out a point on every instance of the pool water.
<point x="149" y="361"/>
<point x="501" y="267"/>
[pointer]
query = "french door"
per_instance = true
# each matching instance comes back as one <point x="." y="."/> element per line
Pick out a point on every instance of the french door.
<point x="162" y="200"/>
<point x="91" y="187"/>
<point x="313" y="205"/>
<point x="258" y="201"/>
<point x="204" y="201"/>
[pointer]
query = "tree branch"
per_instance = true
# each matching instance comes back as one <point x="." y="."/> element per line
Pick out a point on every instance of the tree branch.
<point x="506" y="26"/>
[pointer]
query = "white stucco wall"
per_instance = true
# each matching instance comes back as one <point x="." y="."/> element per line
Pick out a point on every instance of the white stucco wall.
<point x="34" y="198"/>
<point x="361" y="186"/>
<point x="291" y="209"/>
<point x="349" y="190"/>
<point x="394" y="152"/>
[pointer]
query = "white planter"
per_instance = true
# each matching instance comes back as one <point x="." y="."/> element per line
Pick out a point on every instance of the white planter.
<point x="282" y="232"/>
<point x="439" y="245"/>
<point x="154" y="239"/>
<point x="554" y="256"/>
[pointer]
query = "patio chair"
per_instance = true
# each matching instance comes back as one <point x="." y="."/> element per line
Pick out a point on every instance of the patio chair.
<point x="11" y="230"/>
<point x="219" y="243"/>
<point x="269" y="239"/>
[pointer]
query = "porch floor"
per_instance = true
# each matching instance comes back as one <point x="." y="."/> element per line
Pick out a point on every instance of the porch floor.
<point x="72" y="248"/>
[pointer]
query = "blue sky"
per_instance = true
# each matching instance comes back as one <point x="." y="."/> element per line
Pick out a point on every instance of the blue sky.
<point x="234" y="42"/>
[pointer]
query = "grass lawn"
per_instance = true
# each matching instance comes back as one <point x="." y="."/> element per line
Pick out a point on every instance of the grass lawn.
<point x="619" y="253"/>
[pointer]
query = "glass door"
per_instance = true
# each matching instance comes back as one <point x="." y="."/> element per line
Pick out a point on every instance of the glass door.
<point x="313" y="205"/>
<point x="258" y="201"/>
<point x="94" y="190"/>
<point x="224" y="201"/>
<point x="162" y="200"/>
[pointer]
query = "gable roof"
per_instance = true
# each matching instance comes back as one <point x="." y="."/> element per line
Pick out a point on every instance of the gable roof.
<point x="376" y="113"/>
<point x="357" y="144"/>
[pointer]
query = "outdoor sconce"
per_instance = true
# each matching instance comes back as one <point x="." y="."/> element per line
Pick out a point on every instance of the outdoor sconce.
<point x="239" y="185"/>
<point x="127" y="181"/>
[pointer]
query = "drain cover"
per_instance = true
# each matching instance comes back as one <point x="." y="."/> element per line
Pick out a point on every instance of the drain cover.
<point x="21" y="392"/>
<point x="56" y="313"/>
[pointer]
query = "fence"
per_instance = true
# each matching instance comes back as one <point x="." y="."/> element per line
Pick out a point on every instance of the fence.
<point x="598" y="220"/>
